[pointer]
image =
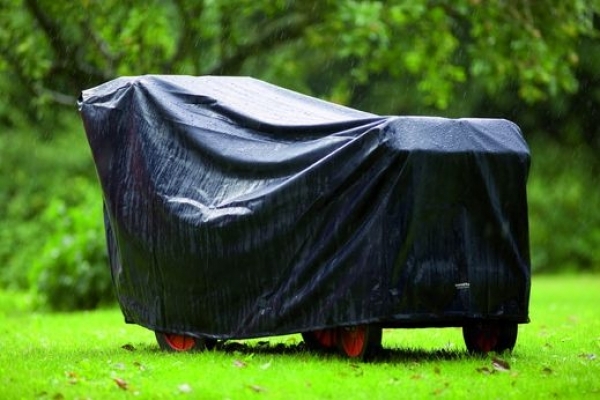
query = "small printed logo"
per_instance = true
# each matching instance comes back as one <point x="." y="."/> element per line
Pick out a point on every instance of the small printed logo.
<point x="462" y="285"/>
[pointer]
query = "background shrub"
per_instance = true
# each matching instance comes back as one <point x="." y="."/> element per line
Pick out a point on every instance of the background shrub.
<point x="564" y="208"/>
<point x="72" y="270"/>
<point x="51" y="225"/>
<point x="33" y="172"/>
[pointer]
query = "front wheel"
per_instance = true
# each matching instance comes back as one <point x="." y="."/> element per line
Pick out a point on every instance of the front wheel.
<point x="485" y="336"/>
<point x="174" y="342"/>
<point x="360" y="341"/>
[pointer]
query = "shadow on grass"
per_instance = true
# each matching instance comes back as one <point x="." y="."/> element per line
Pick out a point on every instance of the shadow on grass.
<point x="241" y="349"/>
<point x="384" y="355"/>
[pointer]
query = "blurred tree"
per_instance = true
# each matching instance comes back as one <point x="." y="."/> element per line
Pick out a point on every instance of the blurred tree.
<point x="403" y="56"/>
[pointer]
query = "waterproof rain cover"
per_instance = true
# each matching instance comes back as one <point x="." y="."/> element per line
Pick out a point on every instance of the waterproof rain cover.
<point x="237" y="209"/>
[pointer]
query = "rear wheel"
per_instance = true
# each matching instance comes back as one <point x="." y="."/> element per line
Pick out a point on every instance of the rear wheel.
<point x="360" y="341"/>
<point x="175" y="342"/>
<point x="485" y="336"/>
<point x="322" y="339"/>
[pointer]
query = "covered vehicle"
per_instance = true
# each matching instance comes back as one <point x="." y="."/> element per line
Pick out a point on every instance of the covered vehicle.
<point x="238" y="209"/>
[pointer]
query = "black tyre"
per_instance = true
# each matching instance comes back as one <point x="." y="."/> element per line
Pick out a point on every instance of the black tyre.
<point x="485" y="336"/>
<point x="175" y="342"/>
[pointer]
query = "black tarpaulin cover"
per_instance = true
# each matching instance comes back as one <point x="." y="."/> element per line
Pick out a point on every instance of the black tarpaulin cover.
<point x="236" y="209"/>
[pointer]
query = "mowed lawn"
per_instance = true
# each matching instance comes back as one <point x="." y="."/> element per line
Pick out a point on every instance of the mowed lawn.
<point x="94" y="355"/>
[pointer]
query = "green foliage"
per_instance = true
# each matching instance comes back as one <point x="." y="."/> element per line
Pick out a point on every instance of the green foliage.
<point x="427" y="52"/>
<point x="564" y="200"/>
<point x="33" y="171"/>
<point x="527" y="43"/>
<point x="367" y="35"/>
<point x="71" y="272"/>
<point x="51" y="232"/>
<point x="33" y="174"/>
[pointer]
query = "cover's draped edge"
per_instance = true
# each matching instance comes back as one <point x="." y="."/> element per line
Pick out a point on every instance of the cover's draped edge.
<point x="235" y="208"/>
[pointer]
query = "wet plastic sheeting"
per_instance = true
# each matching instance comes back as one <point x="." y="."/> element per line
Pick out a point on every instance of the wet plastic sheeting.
<point x="236" y="209"/>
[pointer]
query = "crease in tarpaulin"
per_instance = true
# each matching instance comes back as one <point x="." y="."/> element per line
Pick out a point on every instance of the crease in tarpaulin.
<point x="210" y="213"/>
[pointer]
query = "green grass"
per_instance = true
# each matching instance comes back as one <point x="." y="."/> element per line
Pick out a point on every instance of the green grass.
<point x="95" y="355"/>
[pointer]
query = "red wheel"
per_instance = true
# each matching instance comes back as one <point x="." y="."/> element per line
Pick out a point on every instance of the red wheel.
<point x="485" y="336"/>
<point x="176" y="342"/>
<point x="322" y="339"/>
<point x="361" y="341"/>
